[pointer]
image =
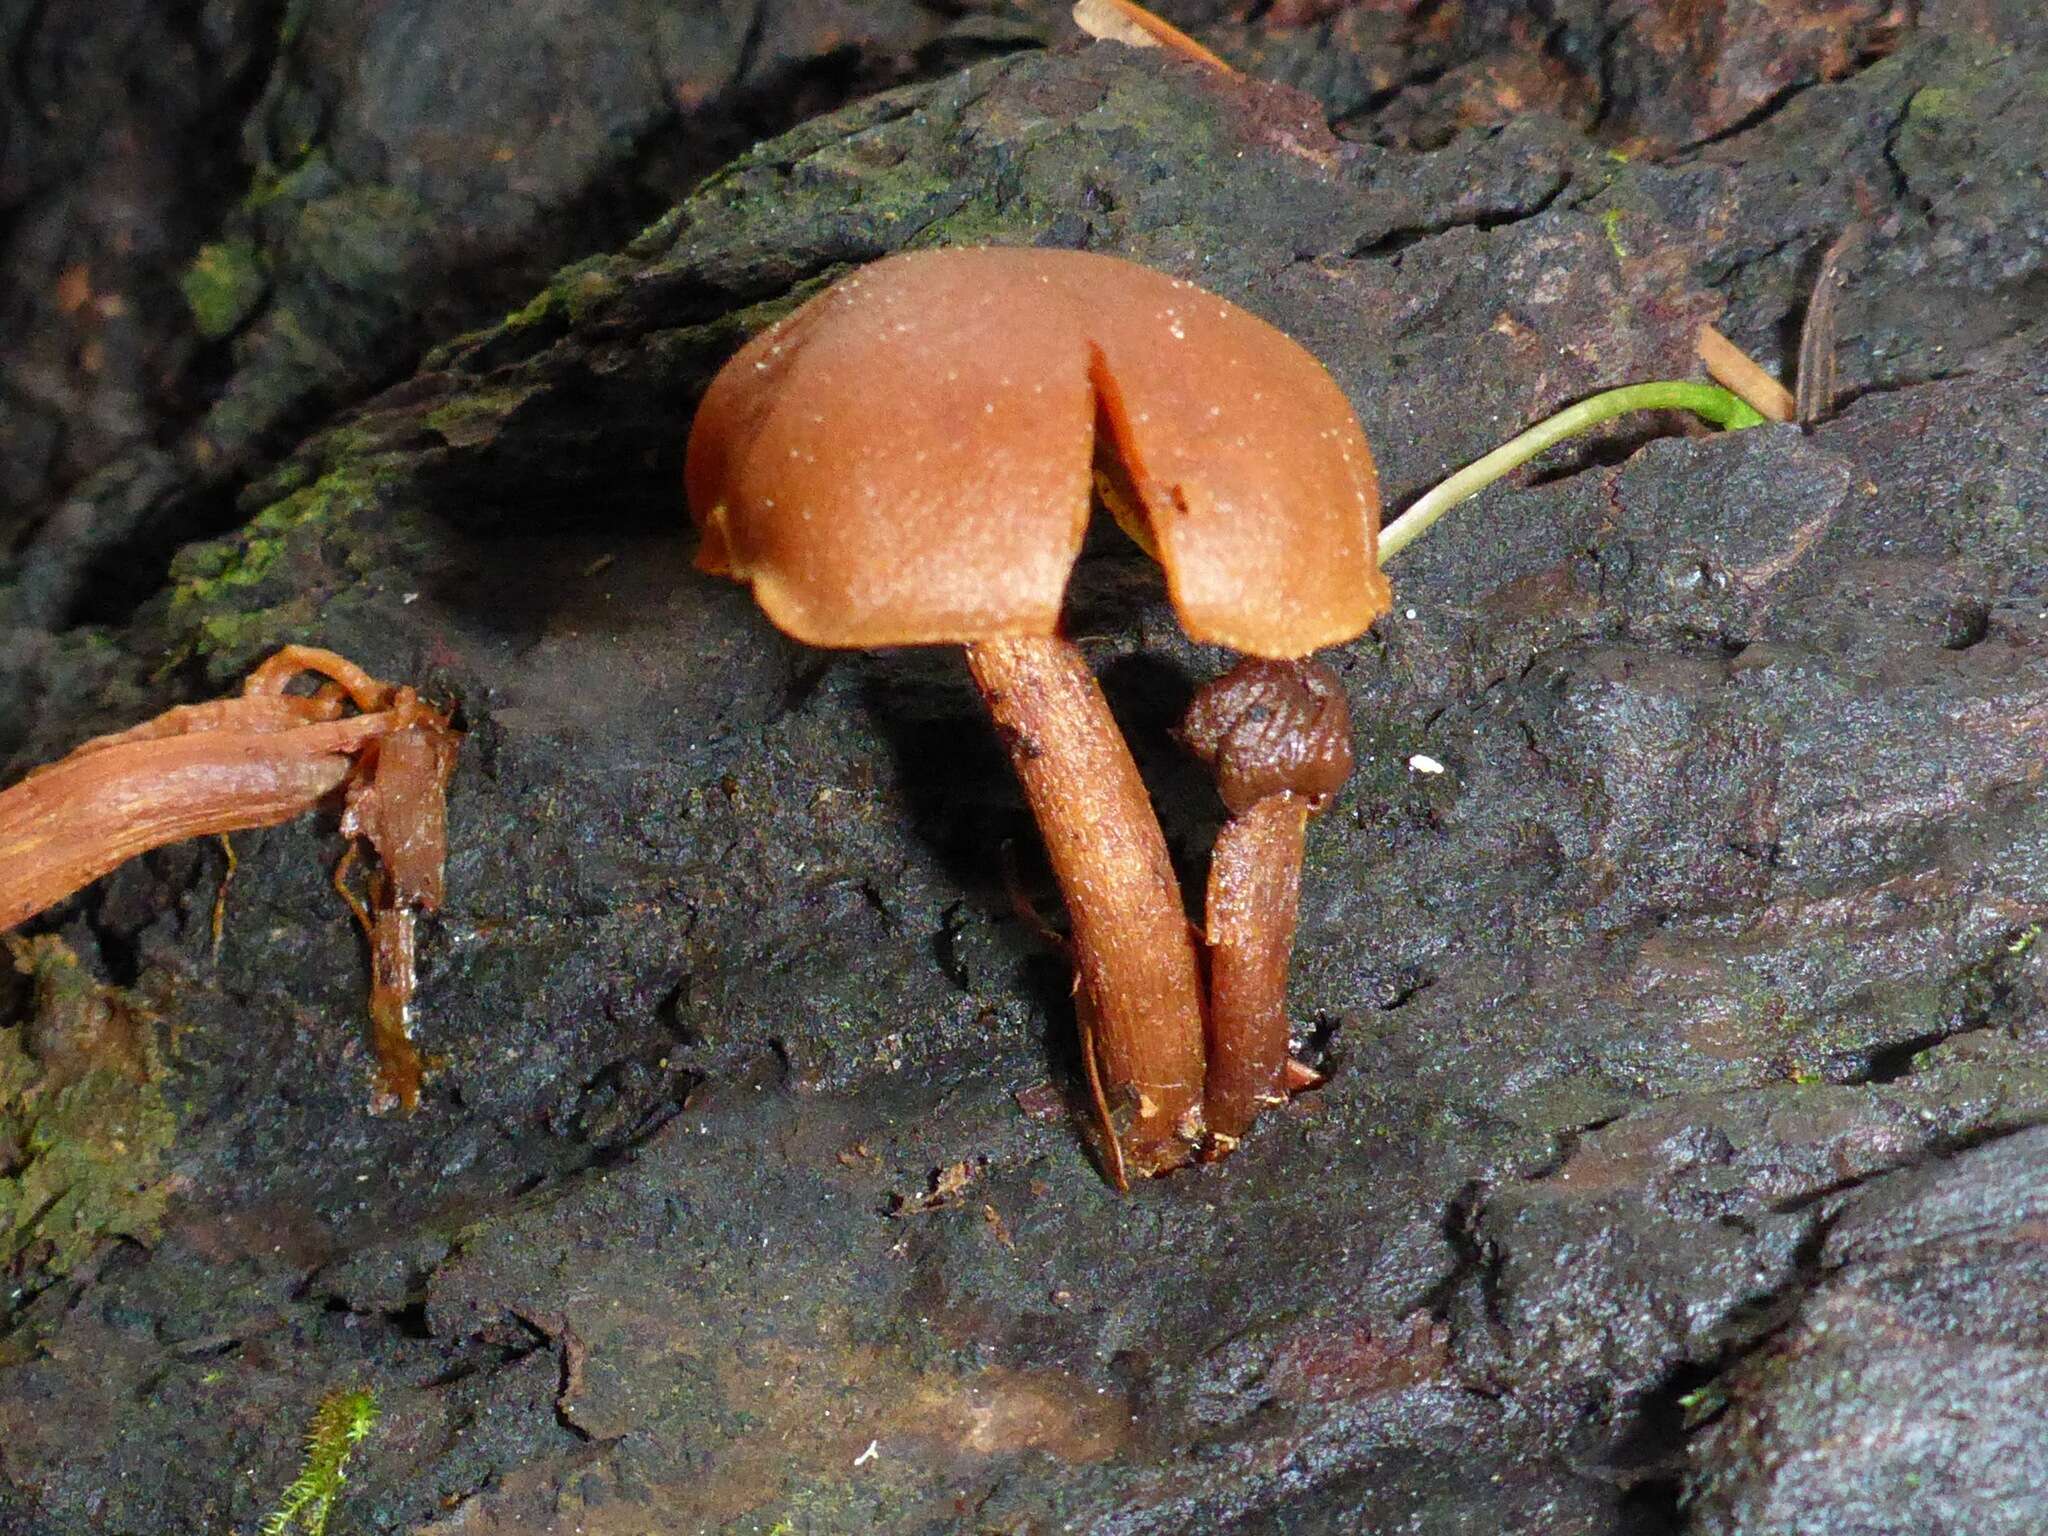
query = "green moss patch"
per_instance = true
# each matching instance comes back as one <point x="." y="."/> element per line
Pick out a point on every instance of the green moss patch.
<point x="223" y="286"/>
<point x="83" y="1124"/>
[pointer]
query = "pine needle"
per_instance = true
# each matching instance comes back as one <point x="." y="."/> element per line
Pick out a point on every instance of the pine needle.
<point x="1121" y="21"/>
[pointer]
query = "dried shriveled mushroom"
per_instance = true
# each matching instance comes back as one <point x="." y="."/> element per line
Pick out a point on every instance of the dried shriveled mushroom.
<point x="256" y="761"/>
<point x="909" y="458"/>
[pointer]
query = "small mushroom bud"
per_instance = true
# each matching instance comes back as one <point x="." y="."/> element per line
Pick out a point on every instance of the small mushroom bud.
<point x="1271" y="728"/>
<point x="1278" y="734"/>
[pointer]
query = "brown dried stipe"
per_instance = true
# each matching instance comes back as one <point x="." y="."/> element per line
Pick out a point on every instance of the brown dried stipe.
<point x="256" y="761"/>
<point x="397" y="804"/>
<point x="908" y="458"/>
<point x="83" y="816"/>
<point x="1279" y="737"/>
<point x="1137" y="973"/>
<point x="1272" y="727"/>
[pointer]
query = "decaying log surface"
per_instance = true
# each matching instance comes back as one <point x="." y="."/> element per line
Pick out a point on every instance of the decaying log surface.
<point x="1708" y="948"/>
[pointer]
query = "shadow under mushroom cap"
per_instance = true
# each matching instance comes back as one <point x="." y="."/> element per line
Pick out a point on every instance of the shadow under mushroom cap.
<point x="909" y="458"/>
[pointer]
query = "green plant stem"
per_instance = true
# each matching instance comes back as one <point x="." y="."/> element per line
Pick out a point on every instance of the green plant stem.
<point x="340" y="1423"/>
<point x="1707" y="401"/>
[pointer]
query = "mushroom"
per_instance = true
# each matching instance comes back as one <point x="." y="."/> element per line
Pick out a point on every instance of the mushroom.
<point x="255" y="760"/>
<point x="908" y="458"/>
<point x="1278" y="734"/>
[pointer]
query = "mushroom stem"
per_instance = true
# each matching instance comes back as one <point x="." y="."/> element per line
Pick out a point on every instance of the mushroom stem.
<point x="1278" y="734"/>
<point x="1254" y="899"/>
<point x="1137" y="973"/>
<point x="85" y="815"/>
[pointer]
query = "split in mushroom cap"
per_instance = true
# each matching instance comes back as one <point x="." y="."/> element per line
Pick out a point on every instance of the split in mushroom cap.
<point x="908" y="458"/>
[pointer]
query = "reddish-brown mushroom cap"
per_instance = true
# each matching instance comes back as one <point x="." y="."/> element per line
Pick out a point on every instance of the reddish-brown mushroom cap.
<point x="908" y="458"/>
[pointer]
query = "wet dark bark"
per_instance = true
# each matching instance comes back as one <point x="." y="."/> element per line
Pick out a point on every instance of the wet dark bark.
<point x="1707" y="963"/>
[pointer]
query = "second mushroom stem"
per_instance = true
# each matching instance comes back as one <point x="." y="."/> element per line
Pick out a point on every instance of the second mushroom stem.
<point x="1278" y="734"/>
<point x="1137" y="972"/>
<point x="1254" y="898"/>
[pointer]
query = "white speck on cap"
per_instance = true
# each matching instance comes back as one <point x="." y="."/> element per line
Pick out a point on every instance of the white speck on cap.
<point x="1423" y="763"/>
